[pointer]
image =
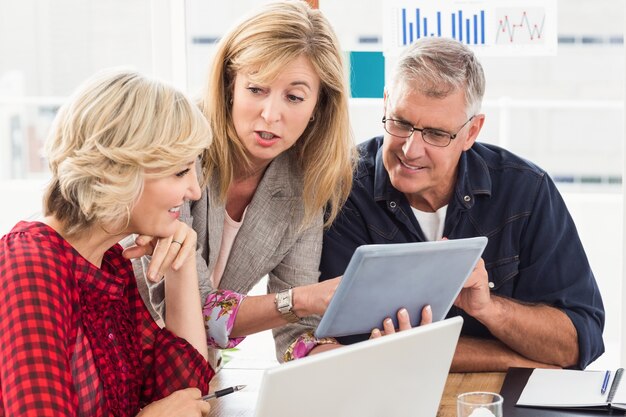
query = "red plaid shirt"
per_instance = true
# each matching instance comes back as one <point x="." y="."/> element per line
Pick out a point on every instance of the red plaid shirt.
<point x="76" y="340"/>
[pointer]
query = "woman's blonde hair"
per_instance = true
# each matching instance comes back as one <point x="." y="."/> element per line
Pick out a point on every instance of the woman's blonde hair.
<point x="263" y="43"/>
<point x="115" y="127"/>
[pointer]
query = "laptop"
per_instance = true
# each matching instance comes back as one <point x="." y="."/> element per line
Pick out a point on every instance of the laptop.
<point x="398" y="375"/>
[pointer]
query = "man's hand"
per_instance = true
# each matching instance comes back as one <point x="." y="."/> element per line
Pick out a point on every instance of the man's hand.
<point x="537" y="334"/>
<point x="475" y="297"/>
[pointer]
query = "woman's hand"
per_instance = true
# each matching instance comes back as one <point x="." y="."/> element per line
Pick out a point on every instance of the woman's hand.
<point x="182" y="403"/>
<point x="404" y="322"/>
<point x="314" y="298"/>
<point x="167" y="252"/>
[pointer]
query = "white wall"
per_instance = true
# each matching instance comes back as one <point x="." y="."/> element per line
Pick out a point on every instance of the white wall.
<point x="623" y="242"/>
<point x="22" y="201"/>
<point x="598" y="218"/>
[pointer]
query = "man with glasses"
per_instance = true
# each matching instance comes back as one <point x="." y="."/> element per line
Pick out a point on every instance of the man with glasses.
<point x="535" y="301"/>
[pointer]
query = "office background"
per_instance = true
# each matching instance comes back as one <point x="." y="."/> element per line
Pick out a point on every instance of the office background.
<point x="564" y="112"/>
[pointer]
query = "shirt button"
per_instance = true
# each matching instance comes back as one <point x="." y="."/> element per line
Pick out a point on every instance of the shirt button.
<point x="111" y="336"/>
<point x="467" y="198"/>
<point x="392" y="204"/>
<point x="491" y="284"/>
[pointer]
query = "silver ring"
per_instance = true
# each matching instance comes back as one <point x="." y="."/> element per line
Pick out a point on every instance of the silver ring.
<point x="176" y="241"/>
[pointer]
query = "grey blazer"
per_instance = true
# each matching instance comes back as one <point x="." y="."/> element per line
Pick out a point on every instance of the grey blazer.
<point x="270" y="241"/>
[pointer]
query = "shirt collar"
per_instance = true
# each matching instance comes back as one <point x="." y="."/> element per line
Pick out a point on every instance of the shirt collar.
<point x="110" y="279"/>
<point x="383" y="190"/>
<point x="473" y="178"/>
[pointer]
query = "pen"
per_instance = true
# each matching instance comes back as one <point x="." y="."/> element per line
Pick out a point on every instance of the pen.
<point x="605" y="383"/>
<point x="223" y="392"/>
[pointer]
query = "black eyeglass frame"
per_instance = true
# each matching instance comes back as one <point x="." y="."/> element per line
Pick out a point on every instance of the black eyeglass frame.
<point x="417" y="129"/>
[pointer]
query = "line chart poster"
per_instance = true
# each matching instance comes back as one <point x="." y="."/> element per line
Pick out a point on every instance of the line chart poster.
<point x="490" y="27"/>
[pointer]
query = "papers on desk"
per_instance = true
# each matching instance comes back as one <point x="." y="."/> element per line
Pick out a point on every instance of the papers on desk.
<point x="562" y="388"/>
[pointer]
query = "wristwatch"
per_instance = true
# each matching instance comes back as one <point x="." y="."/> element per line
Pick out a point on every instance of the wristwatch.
<point x="284" y="305"/>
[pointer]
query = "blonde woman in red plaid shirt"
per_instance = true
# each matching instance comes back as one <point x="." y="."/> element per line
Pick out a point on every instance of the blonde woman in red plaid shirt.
<point x="75" y="336"/>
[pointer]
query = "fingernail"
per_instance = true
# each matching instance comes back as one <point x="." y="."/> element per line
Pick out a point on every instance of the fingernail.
<point x="428" y="308"/>
<point x="387" y="320"/>
<point x="375" y="332"/>
<point x="403" y="312"/>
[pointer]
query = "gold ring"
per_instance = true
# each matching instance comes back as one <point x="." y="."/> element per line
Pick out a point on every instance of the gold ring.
<point x="176" y="241"/>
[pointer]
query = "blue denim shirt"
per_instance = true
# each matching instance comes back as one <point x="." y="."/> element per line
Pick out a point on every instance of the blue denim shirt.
<point x="534" y="253"/>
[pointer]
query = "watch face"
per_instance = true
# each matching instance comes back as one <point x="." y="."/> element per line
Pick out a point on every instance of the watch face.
<point x="284" y="304"/>
<point x="283" y="300"/>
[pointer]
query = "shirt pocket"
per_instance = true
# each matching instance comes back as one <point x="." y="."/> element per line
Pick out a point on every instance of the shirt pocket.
<point x="502" y="274"/>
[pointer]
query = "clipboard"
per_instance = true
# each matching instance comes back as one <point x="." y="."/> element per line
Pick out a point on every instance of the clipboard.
<point x="381" y="279"/>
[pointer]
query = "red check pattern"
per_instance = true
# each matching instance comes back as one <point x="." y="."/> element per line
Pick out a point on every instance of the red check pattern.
<point x="76" y="340"/>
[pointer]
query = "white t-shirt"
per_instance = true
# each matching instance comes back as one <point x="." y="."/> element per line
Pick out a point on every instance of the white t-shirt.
<point x="431" y="223"/>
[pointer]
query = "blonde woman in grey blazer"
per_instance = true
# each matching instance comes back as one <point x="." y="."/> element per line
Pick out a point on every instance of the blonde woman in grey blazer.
<point x="282" y="156"/>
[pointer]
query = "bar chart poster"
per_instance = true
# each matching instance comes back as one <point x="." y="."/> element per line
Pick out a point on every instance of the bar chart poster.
<point x="490" y="27"/>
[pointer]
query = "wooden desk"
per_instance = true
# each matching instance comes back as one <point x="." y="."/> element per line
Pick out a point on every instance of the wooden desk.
<point x="242" y="403"/>
<point x="459" y="383"/>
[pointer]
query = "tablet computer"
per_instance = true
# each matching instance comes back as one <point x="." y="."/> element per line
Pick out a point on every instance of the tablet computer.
<point x="381" y="279"/>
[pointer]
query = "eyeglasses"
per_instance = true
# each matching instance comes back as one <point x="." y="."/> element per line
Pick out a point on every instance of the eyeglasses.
<point x="435" y="137"/>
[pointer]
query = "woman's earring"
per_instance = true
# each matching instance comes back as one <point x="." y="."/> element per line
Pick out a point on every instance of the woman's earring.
<point x="230" y="101"/>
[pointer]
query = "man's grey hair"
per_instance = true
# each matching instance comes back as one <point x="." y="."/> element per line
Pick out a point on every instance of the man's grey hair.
<point x="437" y="67"/>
